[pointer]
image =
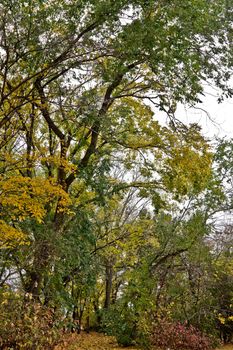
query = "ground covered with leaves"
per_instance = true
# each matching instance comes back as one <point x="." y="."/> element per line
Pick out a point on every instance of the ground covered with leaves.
<point x="97" y="341"/>
<point x="90" y="341"/>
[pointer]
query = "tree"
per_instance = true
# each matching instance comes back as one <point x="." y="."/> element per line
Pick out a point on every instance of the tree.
<point x="80" y="86"/>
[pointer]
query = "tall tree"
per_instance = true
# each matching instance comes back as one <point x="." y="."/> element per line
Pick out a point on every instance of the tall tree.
<point x="75" y="81"/>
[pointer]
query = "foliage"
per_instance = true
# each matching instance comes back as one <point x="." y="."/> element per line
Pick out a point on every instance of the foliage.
<point x="120" y="324"/>
<point x="23" y="197"/>
<point x="26" y="325"/>
<point x="179" y="336"/>
<point x="11" y="236"/>
<point x="100" y="204"/>
<point x="222" y="289"/>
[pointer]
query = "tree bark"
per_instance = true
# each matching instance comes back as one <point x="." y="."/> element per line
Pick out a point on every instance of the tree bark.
<point x="108" y="285"/>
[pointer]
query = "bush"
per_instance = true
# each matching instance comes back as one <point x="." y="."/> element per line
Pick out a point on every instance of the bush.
<point x="119" y="324"/>
<point x="26" y="325"/>
<point x="129" y="327"/>
<point x="175" y="335"/>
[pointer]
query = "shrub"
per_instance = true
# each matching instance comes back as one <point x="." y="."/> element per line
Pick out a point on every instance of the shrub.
<point x="129" y="327"/>
<point x="119" y="324"/>
<point x="175" y="335"/>
<point x="26" y="325"/>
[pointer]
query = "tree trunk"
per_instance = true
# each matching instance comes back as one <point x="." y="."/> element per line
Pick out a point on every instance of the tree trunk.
<point x="108" y="285"/>
<point x="41" y="263"/>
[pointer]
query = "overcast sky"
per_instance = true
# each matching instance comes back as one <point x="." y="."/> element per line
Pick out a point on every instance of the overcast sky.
<point x="218" y="122"/>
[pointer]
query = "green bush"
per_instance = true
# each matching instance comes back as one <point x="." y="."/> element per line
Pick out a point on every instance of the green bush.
<point x="119" y="324"/>
<point x="128" y="326"/>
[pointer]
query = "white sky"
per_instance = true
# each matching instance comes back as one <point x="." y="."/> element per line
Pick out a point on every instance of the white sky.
<point x="218" y="121"/>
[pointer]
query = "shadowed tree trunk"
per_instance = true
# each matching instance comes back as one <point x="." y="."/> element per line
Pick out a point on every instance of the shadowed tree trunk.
<point x="108" y="285"/>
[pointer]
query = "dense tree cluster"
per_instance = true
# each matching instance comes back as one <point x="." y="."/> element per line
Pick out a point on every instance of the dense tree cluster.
<point x="107" y="217"/>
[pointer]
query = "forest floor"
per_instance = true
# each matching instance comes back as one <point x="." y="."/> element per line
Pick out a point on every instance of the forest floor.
<point x="92" y="341"/>
<point x="97" y="341"/>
